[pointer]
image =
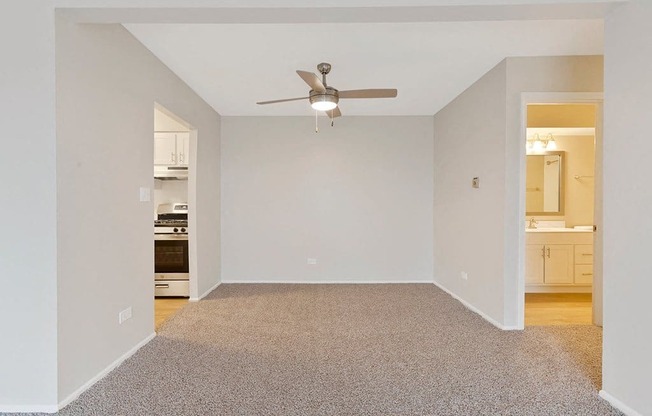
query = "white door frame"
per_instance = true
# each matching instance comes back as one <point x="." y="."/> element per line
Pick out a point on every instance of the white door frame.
<point x="596" y="98"/>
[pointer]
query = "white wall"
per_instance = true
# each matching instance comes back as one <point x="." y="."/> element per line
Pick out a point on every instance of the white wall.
<point x="357" y="197"/>
<point x="481" y="231"/>
<point x="627" y="362"/>
<point x="167" y="191"/>
<point x="107" y="85"/>
<point x="163" y="121"/>
<point x="28" y="250"/>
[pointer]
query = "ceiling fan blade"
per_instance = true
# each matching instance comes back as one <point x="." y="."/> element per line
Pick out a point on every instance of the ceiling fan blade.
<point x="334" y="113"/>
<point x="371" y="93"/>
<point x="282" y="101"/>
<point x="312" y="80"/>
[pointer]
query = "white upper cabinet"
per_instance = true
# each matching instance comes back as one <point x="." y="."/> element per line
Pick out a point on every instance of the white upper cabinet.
<point x="183" y="148"/>
<point x="171" y="149"/>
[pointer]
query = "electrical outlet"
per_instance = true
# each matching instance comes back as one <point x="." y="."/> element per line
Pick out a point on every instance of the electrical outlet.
<point x="476" y="182"/>
<point x="124" y="315"/>
<point x="311" y="261"/>
<point x="464" y="275"/>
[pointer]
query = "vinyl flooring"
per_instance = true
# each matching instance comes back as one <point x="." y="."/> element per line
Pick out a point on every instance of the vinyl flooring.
<point x="542" y="309"/>
<point x="165" y="308"/>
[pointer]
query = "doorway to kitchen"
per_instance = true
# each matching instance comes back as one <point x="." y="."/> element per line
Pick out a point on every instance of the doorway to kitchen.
<point x="562" y="212"/>
<point x="173" y="274"/>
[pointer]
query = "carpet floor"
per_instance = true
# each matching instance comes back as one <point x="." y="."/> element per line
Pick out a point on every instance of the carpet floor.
<point x="350" y="350"/>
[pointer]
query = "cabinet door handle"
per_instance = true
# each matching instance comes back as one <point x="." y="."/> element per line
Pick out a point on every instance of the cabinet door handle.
<point x="587" y="254"/>
<point x="548" y="249"/>
<point x="181" y="157"/>
<point x="172" y="157"/>
<point x="587" y="274"/>
<point x="543" y="252"/>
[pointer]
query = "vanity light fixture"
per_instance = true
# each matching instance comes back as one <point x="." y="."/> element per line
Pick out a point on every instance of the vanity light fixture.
<point x="537" y="144"/>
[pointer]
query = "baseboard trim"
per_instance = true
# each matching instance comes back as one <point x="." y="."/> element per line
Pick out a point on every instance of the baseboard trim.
<point x="37" y="408"/>
<point x="65" y="402"/>
<point x="197" y="299"/>
<point x="328" y="282"/>
<point x="473" y="309"/>
<point x="618" y="404"/>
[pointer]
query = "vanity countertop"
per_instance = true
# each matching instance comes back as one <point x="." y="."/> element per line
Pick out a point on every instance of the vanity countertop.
<point x="557" y="230"/>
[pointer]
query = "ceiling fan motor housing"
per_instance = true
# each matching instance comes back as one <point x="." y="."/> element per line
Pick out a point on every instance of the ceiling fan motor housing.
<point x="328" y="96"/>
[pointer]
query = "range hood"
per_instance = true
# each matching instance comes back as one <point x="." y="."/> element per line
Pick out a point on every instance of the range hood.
<point x="171" y="173"/>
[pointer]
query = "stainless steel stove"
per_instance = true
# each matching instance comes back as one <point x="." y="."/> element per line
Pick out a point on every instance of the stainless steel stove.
<point x="171" y="265"/>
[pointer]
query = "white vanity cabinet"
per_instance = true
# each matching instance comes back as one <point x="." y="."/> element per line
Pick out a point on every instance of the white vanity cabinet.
<point x="559" y="261"/>
<point x="171" y="149"/>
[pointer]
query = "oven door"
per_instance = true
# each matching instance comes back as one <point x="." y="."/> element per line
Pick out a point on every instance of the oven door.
<point x="171" y="256"/>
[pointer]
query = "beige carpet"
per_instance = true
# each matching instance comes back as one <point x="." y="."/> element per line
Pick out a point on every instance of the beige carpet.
<point x="350" y="350"/>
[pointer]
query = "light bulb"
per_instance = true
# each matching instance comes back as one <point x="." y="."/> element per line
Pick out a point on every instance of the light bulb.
<point x="551" y="145"/>
<point x="323" y="105"/>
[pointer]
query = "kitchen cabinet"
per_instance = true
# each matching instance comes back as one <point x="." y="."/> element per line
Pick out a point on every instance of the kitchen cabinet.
<point x="171" y="149"/>
<point x="559" y="262"/>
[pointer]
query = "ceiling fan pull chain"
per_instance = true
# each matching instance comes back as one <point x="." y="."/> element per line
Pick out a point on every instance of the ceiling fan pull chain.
<point x="316" y="122"/>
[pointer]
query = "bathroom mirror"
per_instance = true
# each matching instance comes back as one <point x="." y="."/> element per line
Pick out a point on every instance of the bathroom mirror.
<point x="544" y="189"/>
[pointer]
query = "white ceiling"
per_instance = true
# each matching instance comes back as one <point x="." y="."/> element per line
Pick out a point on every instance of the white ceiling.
<point x="232" y="66"/>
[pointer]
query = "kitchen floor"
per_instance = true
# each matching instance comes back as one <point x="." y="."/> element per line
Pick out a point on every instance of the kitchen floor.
<point x="165" y="308"/>
<point x="543" y="309"/>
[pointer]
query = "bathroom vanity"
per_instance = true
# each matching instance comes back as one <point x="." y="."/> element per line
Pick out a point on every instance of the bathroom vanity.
<point x="558" y="260"/>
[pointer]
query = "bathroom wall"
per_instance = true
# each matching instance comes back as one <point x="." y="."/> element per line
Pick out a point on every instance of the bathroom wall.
<point x="579" y="159"/>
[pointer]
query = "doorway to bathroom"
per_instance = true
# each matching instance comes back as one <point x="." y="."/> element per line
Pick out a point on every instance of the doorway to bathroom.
<point x="562" y="213"/>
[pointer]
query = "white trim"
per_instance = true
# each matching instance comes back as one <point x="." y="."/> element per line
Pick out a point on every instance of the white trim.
<point x="65" y="402"/>
<point x="326" y="282"/>
<point x="618" y="404"/>
<point x="37" y="408"/>
<point x="472" y="308"/>
<point x="197" y="299"/>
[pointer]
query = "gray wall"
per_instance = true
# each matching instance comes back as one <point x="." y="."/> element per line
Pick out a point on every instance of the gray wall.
<point x="357" y="197"/>
<point x="107" y="85"/>
<point x="28" y="252"/>
<point x="468" y="222"/>
<point x="481" y="231"/>
<point x="627" y="361"/>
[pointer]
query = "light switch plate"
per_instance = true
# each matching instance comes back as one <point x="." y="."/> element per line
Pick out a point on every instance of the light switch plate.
<point x="124" y="315"/>
<point x="311" y="261"/>
<point x="145" y="194"/>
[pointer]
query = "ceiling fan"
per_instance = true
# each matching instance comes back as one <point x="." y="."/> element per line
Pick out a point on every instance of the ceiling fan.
<point x="325" y="98"/>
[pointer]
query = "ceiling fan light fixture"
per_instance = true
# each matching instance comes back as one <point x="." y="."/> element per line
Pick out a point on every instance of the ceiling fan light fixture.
<point x="323" y="102"/>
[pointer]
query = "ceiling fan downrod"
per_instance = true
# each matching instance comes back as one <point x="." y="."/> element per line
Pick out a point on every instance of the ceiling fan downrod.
<point x="324" y="68"/>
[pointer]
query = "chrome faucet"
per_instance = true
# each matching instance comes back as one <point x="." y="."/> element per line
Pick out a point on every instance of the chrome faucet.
<point x="532" y="223"/>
